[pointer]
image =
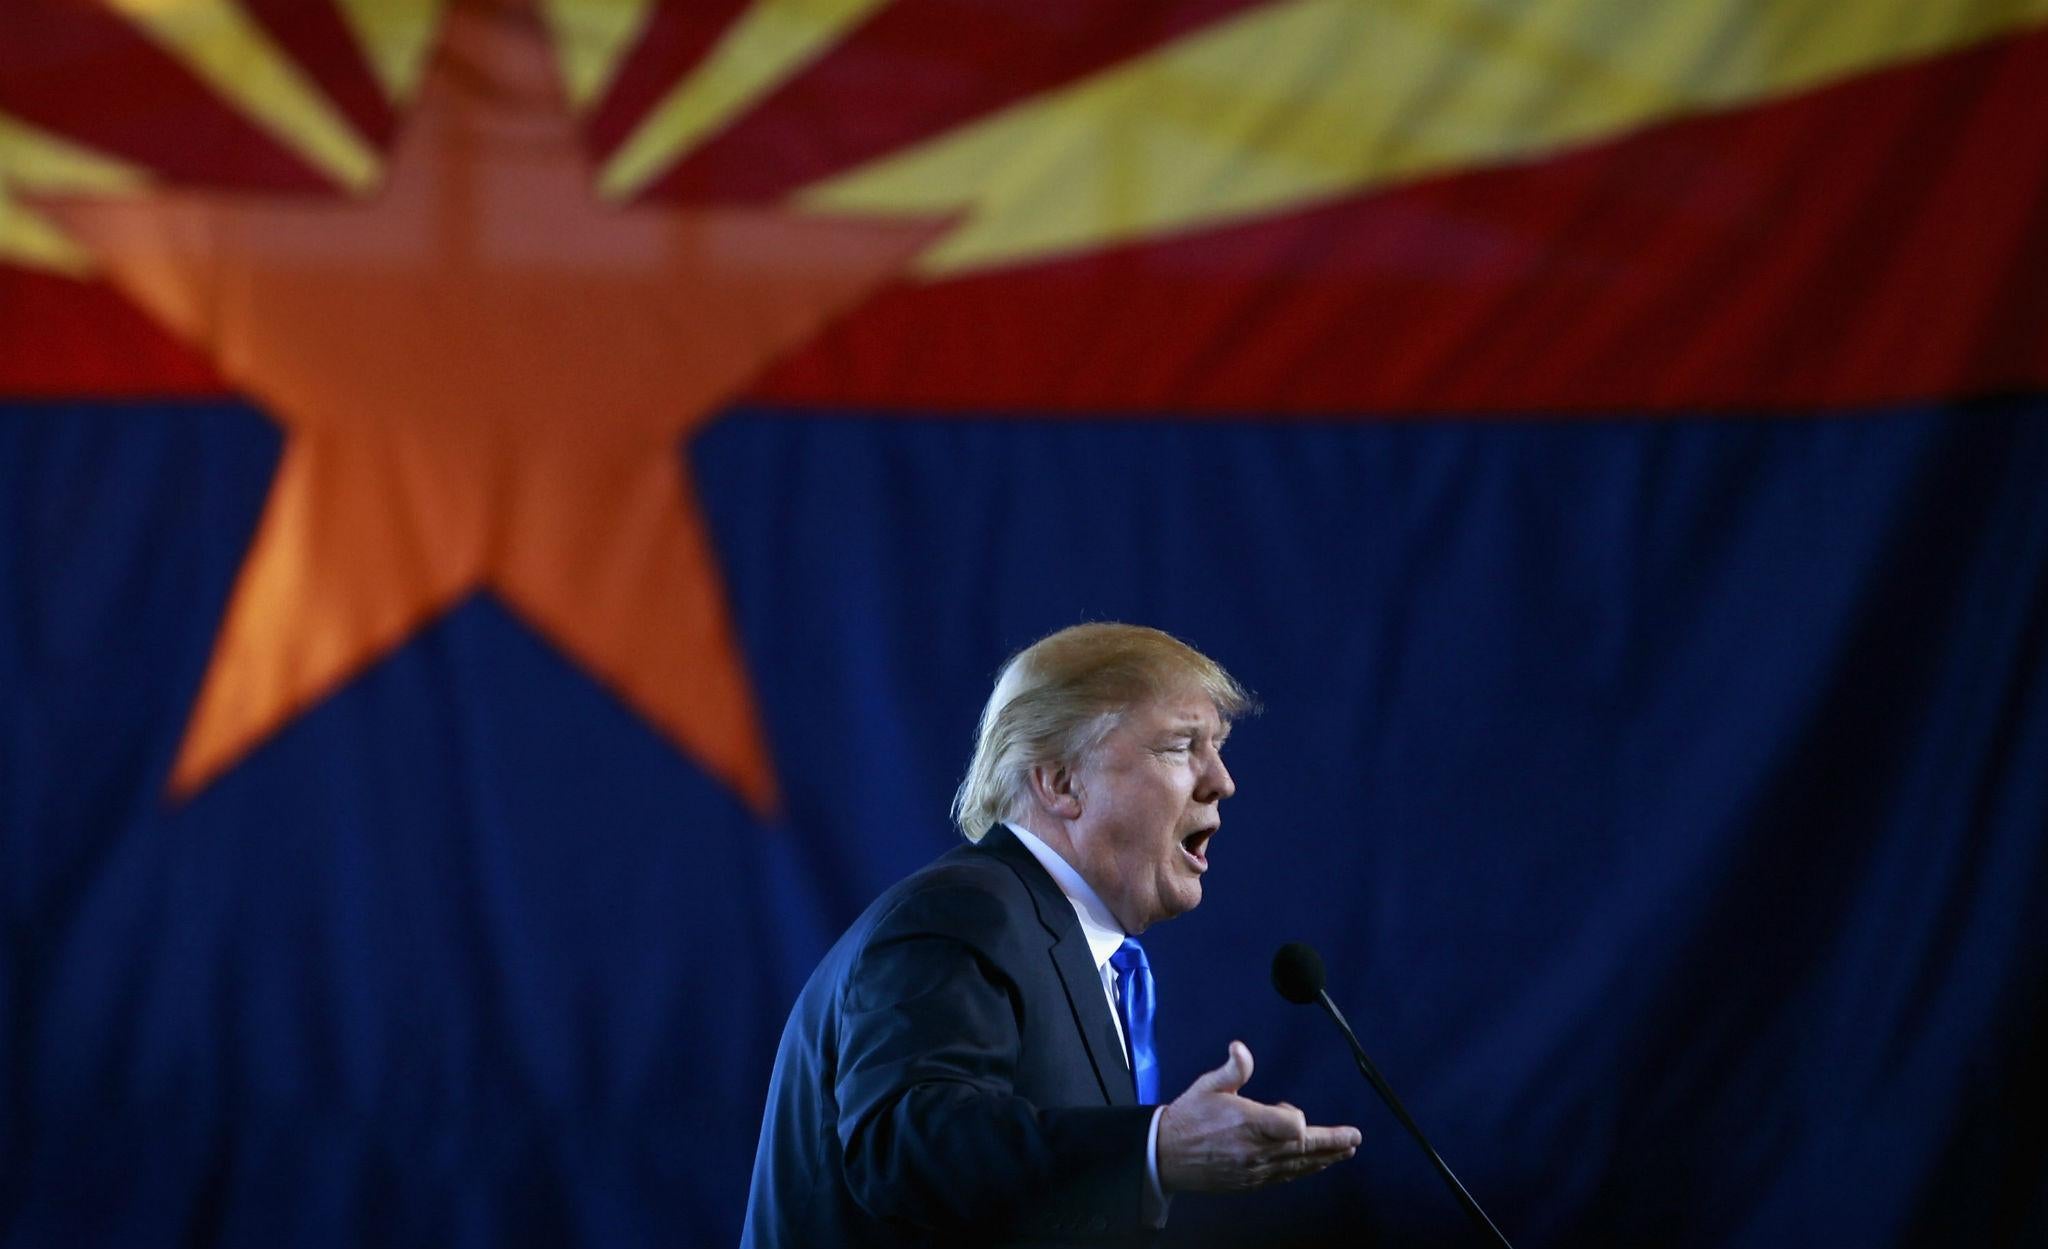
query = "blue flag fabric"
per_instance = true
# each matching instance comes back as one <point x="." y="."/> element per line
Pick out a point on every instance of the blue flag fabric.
<point x="1612" y="446"/>
<point x="1667" y="799"/>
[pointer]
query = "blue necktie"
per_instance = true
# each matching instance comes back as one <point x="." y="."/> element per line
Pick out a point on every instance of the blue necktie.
<point x="1135" y="1002"/>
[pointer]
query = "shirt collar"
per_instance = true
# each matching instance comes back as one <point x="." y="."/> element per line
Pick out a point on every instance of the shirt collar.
<point x="1105" y="935"/>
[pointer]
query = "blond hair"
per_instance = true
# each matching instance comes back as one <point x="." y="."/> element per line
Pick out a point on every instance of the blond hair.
<point x="1055" y="701"/>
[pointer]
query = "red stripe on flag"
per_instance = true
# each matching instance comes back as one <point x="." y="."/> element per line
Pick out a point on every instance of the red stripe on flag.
<point x="917" y="68"/>
<point x="84" y="73"/>
<point x="78" y="338"/>
<point x="1884" y="239"/>
<point x="315" y="36"/>
<point x="678" y="34"/>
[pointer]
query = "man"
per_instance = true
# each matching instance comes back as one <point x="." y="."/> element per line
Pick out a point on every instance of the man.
<point x="959" y="1069"/>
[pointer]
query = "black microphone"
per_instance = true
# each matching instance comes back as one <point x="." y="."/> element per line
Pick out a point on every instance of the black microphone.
<point x="1298" y="974"/>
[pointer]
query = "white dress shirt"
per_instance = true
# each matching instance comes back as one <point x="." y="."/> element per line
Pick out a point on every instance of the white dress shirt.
<point x="1105" y="937"/>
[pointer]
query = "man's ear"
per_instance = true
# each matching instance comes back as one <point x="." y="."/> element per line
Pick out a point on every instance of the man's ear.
<point x="1055" y="789"/>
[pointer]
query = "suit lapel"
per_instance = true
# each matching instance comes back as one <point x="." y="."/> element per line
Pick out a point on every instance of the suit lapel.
<point x="1075" y="966"/>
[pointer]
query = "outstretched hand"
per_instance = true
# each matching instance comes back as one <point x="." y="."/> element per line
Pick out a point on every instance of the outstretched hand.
<point x="1212" y="1140"/>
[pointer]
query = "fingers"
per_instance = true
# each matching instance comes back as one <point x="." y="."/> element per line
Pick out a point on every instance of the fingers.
<point x="1230" y="1077"/>
<point x="1281" y="1124"/>
<point x="1309" y="1164"/>
<point x="1330" y="1140"/>
<point x="1280" y="1170"/>
<point x="1316" y="1148"/>
<point x="1284" y="1122"/>
<point x="1211" y="1139"/>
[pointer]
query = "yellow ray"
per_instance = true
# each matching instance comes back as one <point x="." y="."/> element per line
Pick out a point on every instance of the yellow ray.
<point x="1309" y="100"/>
<point x="591" y="37"/>
<point x="764" y="47"/>
<point x="29" y="242"/>
<point x="37" y="162"/>
<point x="395" y="36"/>
<point x="229" y="52"/>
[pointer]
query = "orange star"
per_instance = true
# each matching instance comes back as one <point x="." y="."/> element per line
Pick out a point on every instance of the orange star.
<point x="484" y="375"/>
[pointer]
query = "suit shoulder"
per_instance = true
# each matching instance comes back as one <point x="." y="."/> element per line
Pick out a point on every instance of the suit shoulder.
<point x="968" y="895"/>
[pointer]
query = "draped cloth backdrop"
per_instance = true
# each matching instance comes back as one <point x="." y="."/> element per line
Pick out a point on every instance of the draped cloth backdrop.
<point x="510" y="512"/>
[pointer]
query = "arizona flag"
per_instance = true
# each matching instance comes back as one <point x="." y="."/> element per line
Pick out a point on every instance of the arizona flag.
<point x="511" y="513"/>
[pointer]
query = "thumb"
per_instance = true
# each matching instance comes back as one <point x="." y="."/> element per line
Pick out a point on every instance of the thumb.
<point x="1231" y="1076"/>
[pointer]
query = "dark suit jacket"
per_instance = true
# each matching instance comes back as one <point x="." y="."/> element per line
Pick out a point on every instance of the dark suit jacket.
<point x="951" y="1076"/>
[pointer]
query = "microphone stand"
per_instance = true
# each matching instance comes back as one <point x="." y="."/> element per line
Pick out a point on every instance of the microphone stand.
<point x="1379" y="1085"/>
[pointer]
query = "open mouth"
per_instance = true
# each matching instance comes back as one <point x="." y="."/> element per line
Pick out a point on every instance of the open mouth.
<point x="1195" y="846"/>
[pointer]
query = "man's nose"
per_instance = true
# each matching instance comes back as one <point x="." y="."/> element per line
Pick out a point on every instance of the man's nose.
<point x="1216" y="782"/>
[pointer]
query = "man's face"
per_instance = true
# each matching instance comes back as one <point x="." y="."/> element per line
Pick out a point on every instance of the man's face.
<point x="1149" y="796"/>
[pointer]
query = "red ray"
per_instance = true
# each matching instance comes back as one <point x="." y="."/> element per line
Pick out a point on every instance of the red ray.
<point x="313" y="34"/>
<point x="81" y="338"/>
<point x="85" y="73"/>
<point x="678" y="34"/>
<point x="916" y="68"/>
<point x="1881" y="240"/>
